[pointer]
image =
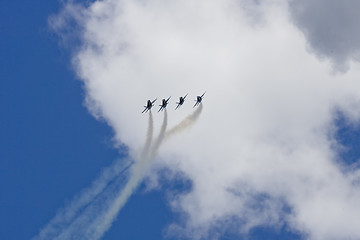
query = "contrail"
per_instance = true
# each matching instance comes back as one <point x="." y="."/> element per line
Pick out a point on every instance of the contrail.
<point x="91" y="214"/>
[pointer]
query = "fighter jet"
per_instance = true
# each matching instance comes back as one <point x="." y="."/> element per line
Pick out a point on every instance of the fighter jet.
<point x="199" y="99"/>
<point x="149" y="105"/>
<point x="181" y="101"/>
<point x="164" y="104"/>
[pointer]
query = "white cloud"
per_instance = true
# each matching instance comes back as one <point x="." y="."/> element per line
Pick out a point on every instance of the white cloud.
<point x="267" y="125"/>
<point x="331" y="28"/>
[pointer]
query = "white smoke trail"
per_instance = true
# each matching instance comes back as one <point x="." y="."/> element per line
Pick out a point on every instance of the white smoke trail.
<point x="66" y="216"/>
<point x="188" y="122"/>
<point x="160" y="138"/>
<point x="138" y="171"/>
<point x="84" y="226"/>
<point x="149" y="136"/>
<point x="97" y="225"/>
<point x="92" y="214"/>
<point x="79" y="219"/>
<point x="103" y="221"/>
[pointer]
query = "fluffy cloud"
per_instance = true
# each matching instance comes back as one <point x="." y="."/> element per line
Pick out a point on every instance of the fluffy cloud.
<point x="331" y="28"/>
<point x="262" y="151"/>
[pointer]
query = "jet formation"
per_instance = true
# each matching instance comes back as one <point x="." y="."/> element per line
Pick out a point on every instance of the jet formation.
<point x="165" y="102"/>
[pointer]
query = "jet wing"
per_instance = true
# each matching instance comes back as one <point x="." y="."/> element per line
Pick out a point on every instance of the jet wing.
<point x="162" y="107"/>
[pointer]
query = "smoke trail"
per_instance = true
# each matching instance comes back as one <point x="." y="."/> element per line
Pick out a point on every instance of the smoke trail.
<point x="97" y="225"/>
<point x="94" y="222"/>
<point x="149" y="135"/>
<point x="186" y="123"/>
<point x="160" y="138"/>
<point x="80" y="204"/>
<point x="137" y="175"/>
<point x="84" y="226"/>
<point x="91" y="215"/>
<point x="80" y="220"/>
<point x="104" y="221"/>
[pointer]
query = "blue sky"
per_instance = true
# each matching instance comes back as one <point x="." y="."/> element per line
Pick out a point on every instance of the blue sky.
<point x="51" y="147"/>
